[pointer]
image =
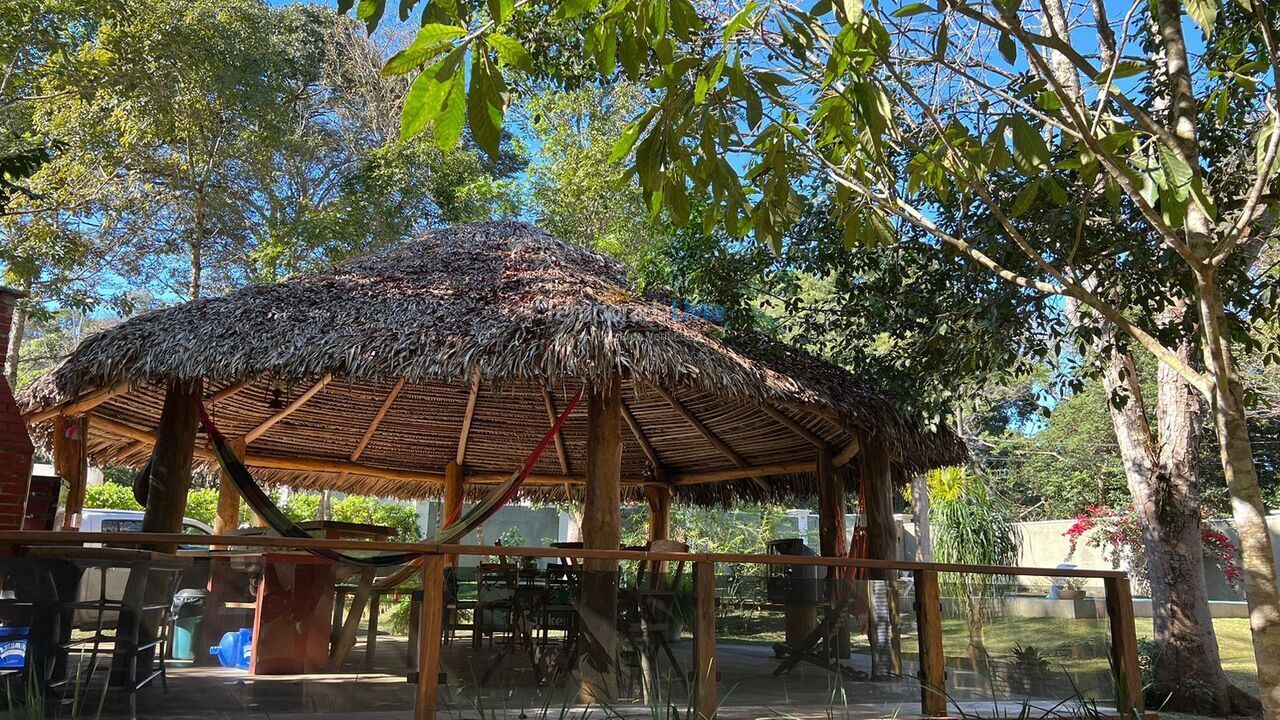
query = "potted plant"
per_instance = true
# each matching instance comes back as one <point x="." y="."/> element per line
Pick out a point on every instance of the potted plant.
<point x="1030" y="670"/>
<point x="1072" y="589"/>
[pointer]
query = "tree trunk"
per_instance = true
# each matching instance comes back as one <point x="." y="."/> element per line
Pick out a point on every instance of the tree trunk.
<point x="1247" y="509"/>
<point x="1165" y="488"/>
<point x="17" y="334"/>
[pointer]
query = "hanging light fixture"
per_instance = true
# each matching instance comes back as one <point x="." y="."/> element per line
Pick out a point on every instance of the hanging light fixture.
<point x="277" y="401"/>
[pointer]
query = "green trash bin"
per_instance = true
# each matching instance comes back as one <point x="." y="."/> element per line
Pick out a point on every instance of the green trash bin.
<point x="188" y="612"/>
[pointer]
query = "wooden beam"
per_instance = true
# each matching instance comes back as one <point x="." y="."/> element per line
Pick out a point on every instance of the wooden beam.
<point x="82" y="404"/>
<point x="933" y="670"/>
<point x="794" y="426"/>
<point x="171" y="460"/>
<point x="1124" y="647"/>
<point x="697" y="478"/>
<point x="831" y="508"/>
<point x="711" y="437"/>
<point x="705" y="700"/>
<point x="461" y="456"/>
<point x="454" y="489"/>
<point x="226" y="392"/>
<point x="377" y="420"/>
<point x="71" y="463"/>
<point x="228" y="517"/>
<point x="270" y="462"/>
<point x="843" y="457"/>
<point x="601" y="529"/>
<point x="659" y="498"/>
<point x="551" y="418"/>
<point x="270" y="422"/>
<point x="877" y="479"/>
<point x="638" y="434"/>
<point x="430" y="631"/>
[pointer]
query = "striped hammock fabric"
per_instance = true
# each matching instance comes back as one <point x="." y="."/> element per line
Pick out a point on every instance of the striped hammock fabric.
<point x="454" y="528"/>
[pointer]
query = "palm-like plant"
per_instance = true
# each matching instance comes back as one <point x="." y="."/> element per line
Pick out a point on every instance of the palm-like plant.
<point x="975" y="526"/>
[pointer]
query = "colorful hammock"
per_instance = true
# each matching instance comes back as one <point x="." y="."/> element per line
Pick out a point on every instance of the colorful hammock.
<point x="454" y="527"/>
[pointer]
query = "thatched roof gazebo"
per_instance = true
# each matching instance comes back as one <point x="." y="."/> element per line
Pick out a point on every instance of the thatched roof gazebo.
<point x="437" y="366"/>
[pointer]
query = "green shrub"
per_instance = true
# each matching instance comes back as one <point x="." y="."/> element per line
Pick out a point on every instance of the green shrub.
<point x="110" y="496"/>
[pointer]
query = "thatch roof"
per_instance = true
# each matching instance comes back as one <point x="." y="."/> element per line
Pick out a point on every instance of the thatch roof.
<point x="502" y="302"/>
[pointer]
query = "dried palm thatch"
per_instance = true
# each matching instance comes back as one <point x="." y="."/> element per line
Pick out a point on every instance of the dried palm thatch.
<point x="459" y="346"/>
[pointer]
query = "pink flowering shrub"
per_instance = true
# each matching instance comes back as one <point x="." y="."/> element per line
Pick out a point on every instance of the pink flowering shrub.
<point x="1118" y="535"/>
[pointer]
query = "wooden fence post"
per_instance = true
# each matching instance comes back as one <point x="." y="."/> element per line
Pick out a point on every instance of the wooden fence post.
<point x="705" y="701"/>
<point x="933" y="673"/>
<point x="429" y="636"/>
<point x="1124" y="647"/>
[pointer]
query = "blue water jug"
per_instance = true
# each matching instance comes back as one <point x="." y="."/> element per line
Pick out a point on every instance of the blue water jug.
<point x="235" y="649"/>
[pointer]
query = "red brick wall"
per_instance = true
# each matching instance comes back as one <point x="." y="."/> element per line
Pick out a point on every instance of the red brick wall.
<point x="15" y="444"/>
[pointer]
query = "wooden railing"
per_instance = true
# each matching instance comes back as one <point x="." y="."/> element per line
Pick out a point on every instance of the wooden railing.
<point x="928" y="607"/>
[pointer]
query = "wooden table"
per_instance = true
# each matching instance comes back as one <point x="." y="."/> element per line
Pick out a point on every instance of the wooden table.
<point x="294" y="604"/>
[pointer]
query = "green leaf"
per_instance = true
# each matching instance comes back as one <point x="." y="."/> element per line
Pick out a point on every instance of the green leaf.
<point x="1260" y="149"/>
<point x="852" y="11"/>
<point x="429" y="43"/>
<point x="486" y="104"/>
<point x="500" y="10"/>
<point x="1055" y="191"/>
<point x="1204" y="12"/>
<point x="913" y="9"/>
<point x="1025" y="198"/>
<point x="940" y="40"/>
<point x="405" y="7"/>
<point x="422" y="102"/>
<point x="510" y="51"/>
<point x="1124" y="69"/>
<point x="739" y="20"/>
<point x="370" y="11"/>
<point x="1030" y="152"/>
<point x="1177" y="174"/>
<point x="1008" y="48"/>
<point x="626" y="140"/>
<point x="453" y="112"/>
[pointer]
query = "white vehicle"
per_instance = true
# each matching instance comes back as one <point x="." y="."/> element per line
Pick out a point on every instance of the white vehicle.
<point x="122" y="521"/>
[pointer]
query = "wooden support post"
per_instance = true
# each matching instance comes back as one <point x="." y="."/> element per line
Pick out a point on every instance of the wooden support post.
<point x="71" y="463"/>
<point x="171" y="461"/>
<point x="228" y="517"/>
<point x="832" y="541"/>
<point x="705" y="698"/>
<point x="659" y="497"/>
<point x="933" y="673"/>
<point x="430" y="625"/>
<point x="454" y="487"/>
<point x="601" y="530"/>
<point x="882" y="544"/>
<point x="1124" y="647"/>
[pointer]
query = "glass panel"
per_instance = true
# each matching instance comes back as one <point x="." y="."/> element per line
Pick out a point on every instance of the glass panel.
<point x="1007" y="643"/>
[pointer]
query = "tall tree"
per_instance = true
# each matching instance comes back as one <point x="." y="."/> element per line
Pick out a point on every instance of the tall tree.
<point x="752" y="105"/>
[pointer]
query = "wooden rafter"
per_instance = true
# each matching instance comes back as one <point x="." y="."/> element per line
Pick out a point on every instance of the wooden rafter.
<point x="226" y="392"/>
<point x="466" y="419"/>
<point x="794" y="426"/>
<point x="697" y="478"/>
<point x="377" y="420"/>
<point x="82" y="404"/>
<point x="270" y="462"/>
<point x="550" y="403"/>
<point x="843" y="457"/>
<point x="710" y="436"/>
<point x="302" y="399"/>
<point x="643" y="441"/>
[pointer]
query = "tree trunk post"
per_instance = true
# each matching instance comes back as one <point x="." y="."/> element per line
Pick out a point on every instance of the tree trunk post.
<point x="601" y="530"/>
<point x="454" y="488"/>
<point x="933" y="672"/>
<point x="659" y="497"/>
<point x="430" y="627"/>
<point x="71" y="461"/>
<point x="706" y="700"/>
<point x="1124" y="647"/>
<point x="228" y="517"/>
<point x="171" y="461"/>
<point x="882" y="544"/>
